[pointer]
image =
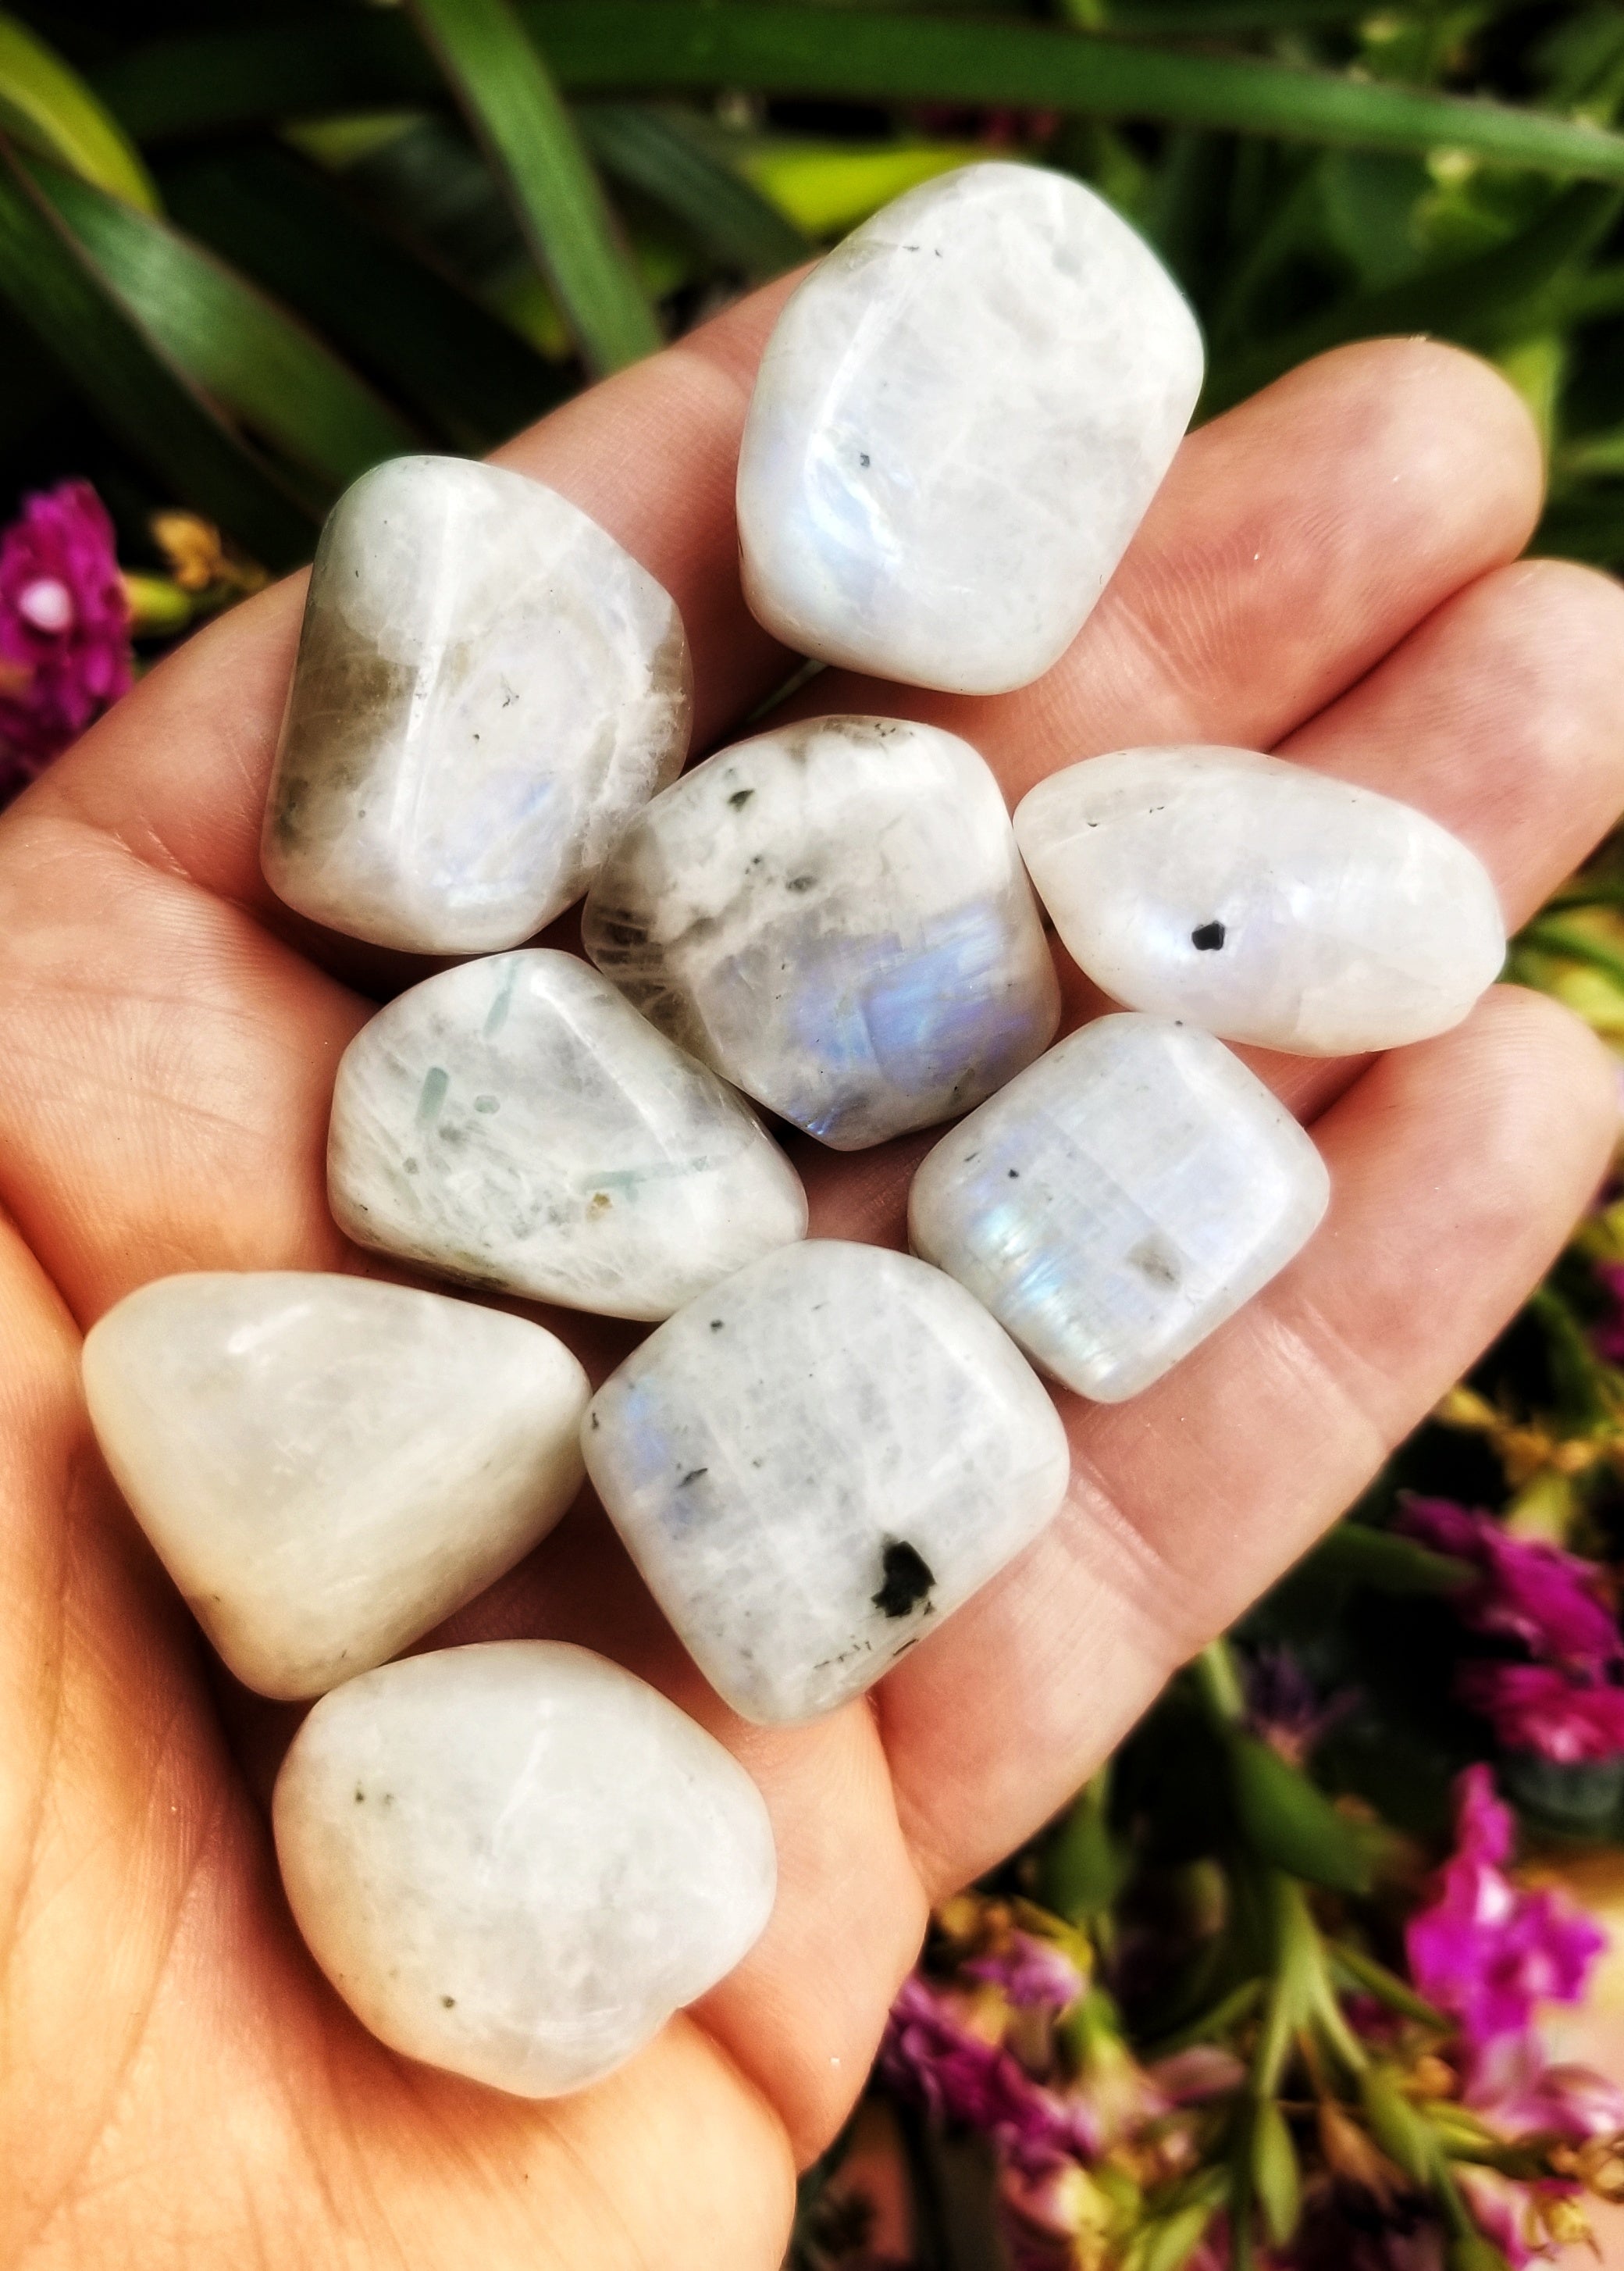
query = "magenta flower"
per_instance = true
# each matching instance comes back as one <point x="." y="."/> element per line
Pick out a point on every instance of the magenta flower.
<point x="1486" y="1952"/>
<point x="65" y="628"/>
<point x="1030" y="1974"/>
<point x="1523" y="2097"/>
<point x="928" y="2054"/>
<point x="1535" y="1707"/>
<point x="1526" y="1592"/>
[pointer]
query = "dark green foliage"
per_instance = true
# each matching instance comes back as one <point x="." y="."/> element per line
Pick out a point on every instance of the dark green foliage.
<point x="422" y="226"/>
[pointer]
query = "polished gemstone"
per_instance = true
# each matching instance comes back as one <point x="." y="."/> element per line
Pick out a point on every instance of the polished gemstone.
<point x="1266" y="902"/>
<point x="816" y="1463"/>
<point x="514" y="1123"/>
<point x="960" y="420"/>
<point x="835" y="916"/>
<point x="1120" y="1200"/>
<point x="327" y="1466"/>
<point x="487" y="687"/>
<point x="516" y="1860"/>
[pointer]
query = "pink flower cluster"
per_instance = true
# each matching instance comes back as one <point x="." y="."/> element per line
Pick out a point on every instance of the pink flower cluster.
<point x="1568" y="1705"/>
<point x="930" y="2055"/>
<point x="65" y="628"/>
<point x="1487" y="1952"/>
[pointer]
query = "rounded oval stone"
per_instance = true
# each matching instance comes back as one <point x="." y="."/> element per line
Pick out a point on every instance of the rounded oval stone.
<point x="960" y="419"/>
<point x="487" y="687"/>
<point x="1260" y="900"/>
<point x="835" y="916"/>
<point x="517" y="1861"/>
<point x="1120" y="1200"/>
<point x="327" y="1466"/>
<point x="514" y="1123"/>
<point x="816" y="1463"/>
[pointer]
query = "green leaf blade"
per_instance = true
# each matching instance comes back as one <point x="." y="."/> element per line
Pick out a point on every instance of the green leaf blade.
<point x="235" y="344"/>
<point x="47" y="108"/>
<point x="139" y="394"/>
<point x="511" y="100"/>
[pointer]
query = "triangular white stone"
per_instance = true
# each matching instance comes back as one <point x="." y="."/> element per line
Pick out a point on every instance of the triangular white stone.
<point x="327" y="1466"/>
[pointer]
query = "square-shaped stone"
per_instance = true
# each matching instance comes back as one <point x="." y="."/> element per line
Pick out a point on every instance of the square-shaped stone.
<point x="817" y="1462"/>
<point x="1119" y="1200"/>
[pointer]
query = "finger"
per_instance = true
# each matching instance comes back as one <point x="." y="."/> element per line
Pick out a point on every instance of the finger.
<point x="1502" y="716"/>
<point x="1315" y="524"/>
<point x="1297" y="540"/>
<point x="1456" y="1169"/>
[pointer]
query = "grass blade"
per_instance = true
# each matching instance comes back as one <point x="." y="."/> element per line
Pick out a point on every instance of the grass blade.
<point x="655" y="152"/>
<point x="1480" y="302"/>
<point x="597" y="45"/>
<point x="272" y="374"/>
<point x="139" y="394"/>
<point x="47" y="108"/>
<point x="615" y="47"/>
<point x="508" y="97"/>
<point x="410" y="327"/>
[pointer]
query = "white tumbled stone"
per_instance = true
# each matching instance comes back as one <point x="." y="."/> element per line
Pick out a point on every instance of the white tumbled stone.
<point x="517" y="1861"/>
<point x="960" y="420"/>
<point x="1260" y="900"/>
<point x="835" y="917"/>
<point x="327" y="1466"/>
<point x="514" y="1123"/>
<point x="487" y="687"/>
<point x="1119" y="1200"/>
<point x="816" y="1463"/>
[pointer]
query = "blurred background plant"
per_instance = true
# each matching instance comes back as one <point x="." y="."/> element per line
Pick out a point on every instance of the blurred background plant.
<point x="1279" y="1987"/>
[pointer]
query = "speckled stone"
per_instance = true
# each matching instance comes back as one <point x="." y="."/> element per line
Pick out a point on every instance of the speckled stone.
<point x="835" y="917"/>
<point x="516" y="1860"/>
<point x="1267" y="902"/>
<point x="1119" y="1200"/>
<point x="816" y="1463"/>
<point x="961" y="419"/>
<point x="327" y="1466"/>
<point x="514" y="1123"/>
<point x="487" y="687"/>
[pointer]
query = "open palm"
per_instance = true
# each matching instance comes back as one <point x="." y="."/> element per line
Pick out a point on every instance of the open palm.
<point x="1328" y="569"/>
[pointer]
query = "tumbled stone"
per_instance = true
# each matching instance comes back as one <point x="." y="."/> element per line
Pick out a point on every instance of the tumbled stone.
<point x="328" y="1466"/>
<point x="487" y="687"/>
<point x="517" y="1861"/>
<point x="1120" y="1200"/>
<point x="1264" y="901"/>
<point x="514" y="1123"/>
<point x="961" y="419"/>
<point x="816" y="1463"/>
<point x="835" y="917"/>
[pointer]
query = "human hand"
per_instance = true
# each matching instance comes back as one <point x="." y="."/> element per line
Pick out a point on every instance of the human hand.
<point x="1327" y="570"/>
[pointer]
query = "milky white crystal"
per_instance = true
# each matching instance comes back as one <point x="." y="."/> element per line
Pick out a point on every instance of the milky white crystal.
<point x="514" y="1123"/>
<point x="816" y="1463"/>
<point x="833" y="915"/>
<point x="1119" y="1200"/>
<point x="960" y="420"/>
<point x="516" y="1860"/>
<point x="487" y="687"/>
<point x="1262" y="900"/>
<point x="327" y="1466"/>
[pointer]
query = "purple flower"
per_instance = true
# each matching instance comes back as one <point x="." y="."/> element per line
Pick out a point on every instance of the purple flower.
<point x="1487" y="1952"/>
<point x="1535" y="1707"/>
<point x="1526" y="1592"/>
<point x="927" y="2053"/>
<point x="1522" y="2097"/>
<point x="65" y="628"/>
<point x="1029" y="1974"/>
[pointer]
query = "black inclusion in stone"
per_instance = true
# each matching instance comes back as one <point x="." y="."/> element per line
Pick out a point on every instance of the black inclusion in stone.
<point x="1208" y="938"/>
<point x="909" y="1578"/>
